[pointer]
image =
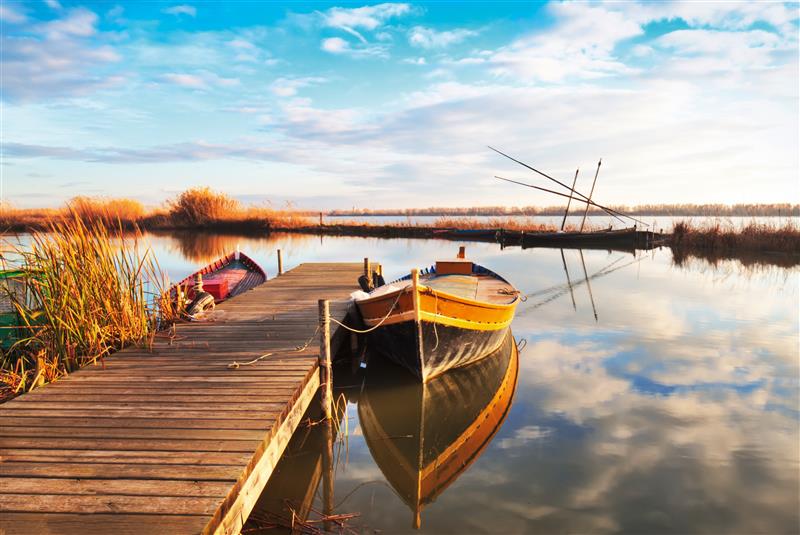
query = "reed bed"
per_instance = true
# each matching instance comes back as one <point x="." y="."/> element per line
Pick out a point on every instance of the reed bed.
<point x="90" y="290"/>
<point x="721" y="236"/>
<point x="753" y="244"/>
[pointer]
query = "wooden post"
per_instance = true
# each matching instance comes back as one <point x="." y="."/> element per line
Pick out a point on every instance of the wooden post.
<point x="280" y="262"/>
<point x="367" y="273"/>
<point x="327" y="475"/>
<point x="320" y="219"/>
<point x="325" y="373"/>
<point x="462" y="252"/>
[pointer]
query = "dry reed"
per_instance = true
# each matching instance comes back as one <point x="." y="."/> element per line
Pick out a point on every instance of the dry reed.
<point x="90" y="291"/>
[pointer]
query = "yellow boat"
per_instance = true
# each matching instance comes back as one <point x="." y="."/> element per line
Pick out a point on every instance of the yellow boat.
<point x="424" y="436"/>
<point x="448" y="316"/>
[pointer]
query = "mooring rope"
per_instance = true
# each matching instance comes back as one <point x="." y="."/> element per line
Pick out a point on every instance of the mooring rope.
<point x="234" y="365"/>
<point x="365" y="331"/>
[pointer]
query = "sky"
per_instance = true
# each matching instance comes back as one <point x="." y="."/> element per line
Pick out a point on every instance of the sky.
<point x="393" y="105"/>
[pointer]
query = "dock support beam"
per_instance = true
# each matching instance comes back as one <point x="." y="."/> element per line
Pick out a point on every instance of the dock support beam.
<point x="325" y="372"/>
<point x="280" y="262"/>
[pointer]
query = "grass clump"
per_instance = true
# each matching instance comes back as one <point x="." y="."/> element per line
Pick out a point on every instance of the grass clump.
<point x="201" y="206"/>
<point x="90" y="291"/>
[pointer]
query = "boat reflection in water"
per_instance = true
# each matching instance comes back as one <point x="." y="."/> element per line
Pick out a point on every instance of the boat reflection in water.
<point x="424" y="436"/>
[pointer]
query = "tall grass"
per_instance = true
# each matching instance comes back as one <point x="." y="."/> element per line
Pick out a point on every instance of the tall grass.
<point x="200" y="206"/>
<point x="722" y="237"/>
<point x="90" y="291"/>
<point x="109" y="211"/>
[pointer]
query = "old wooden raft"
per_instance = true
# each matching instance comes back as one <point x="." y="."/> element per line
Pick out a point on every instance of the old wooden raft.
<point x="171" y="441"/>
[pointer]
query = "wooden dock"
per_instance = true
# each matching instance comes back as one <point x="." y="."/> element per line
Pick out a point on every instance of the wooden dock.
<point x="170" y="440"/>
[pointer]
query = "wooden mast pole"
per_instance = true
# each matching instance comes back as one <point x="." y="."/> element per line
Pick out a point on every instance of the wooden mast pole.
<point x="586" y="211"/>
<point x="569" y="282"/>
<point x="569" y="201"/>
<point x="588" y="286"/>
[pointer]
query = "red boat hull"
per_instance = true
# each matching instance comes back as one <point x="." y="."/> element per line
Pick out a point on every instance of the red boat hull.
<point x="226" y="277"/>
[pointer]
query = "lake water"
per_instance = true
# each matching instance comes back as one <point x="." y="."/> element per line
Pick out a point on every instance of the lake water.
<point x="657" y="398"/>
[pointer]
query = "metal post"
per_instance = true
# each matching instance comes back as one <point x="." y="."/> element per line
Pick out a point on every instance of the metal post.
<point x="462" y="252"/>
<point x="569" y="201"/>
<point x="325" y="374"/>
<point x="280" y="262"/>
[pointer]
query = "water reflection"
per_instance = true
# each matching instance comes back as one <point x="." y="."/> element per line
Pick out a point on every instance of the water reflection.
<point x="675" y="411"/>
<point x="424" y="436"/>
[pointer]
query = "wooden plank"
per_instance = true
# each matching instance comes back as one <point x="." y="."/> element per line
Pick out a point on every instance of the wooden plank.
<point x="129" y="487"/>
<point x="111" y="503"/>
<point x="153" y="472"/>
<point x="229" y="518"/>
<point x="168" y="438"/>
<point x="119" y="524"/>
<point x="122" y="457"/>
<point x="129" y="444"/>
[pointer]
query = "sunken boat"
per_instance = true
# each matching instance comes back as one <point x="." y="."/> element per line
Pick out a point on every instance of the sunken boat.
<point x="450" y="315"/>
<point x="424" y="436"/>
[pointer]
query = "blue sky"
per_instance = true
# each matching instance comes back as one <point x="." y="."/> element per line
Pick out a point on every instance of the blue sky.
<point x="334" y="105"/>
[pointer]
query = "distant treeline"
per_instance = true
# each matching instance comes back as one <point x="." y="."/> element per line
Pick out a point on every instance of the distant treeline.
<point x="713" y="210"/>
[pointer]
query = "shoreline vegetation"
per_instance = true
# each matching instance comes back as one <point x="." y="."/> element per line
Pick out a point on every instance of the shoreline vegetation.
<point x="204" y="210"/>
<point x="75" y="312"/>
<point x="89" y="291"/>
<point x="669" y="210"/>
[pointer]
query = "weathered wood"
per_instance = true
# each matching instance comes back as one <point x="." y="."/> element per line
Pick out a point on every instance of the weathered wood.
<point x="99" y="523"/>
<point x="325" y="373"/>
<point x="170" y="438"/>
<point x="136" y="487"/>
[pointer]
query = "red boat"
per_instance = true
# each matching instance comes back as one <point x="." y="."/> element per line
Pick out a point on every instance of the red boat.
<point x="224" y="278"/>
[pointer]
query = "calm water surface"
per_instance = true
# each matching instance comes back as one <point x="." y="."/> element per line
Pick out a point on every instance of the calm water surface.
<point x="655" y="398"/>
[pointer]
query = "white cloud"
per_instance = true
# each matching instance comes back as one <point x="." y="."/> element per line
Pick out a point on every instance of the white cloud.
<point x="429" y="38"/>
<point x="579" y="46"/>
<point x="288" y="87"/>
<point x="200" y="80"/>
<point x="337" y="45"/>
<point x="53" y="4"/>
<point x="723" y="50"/>
<point x="11" y="16"/>
<point x="79" y="22"/>
<point x="182" y="9"/>
<point x="61" y="57"/>
<point x="367" y="17"/>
